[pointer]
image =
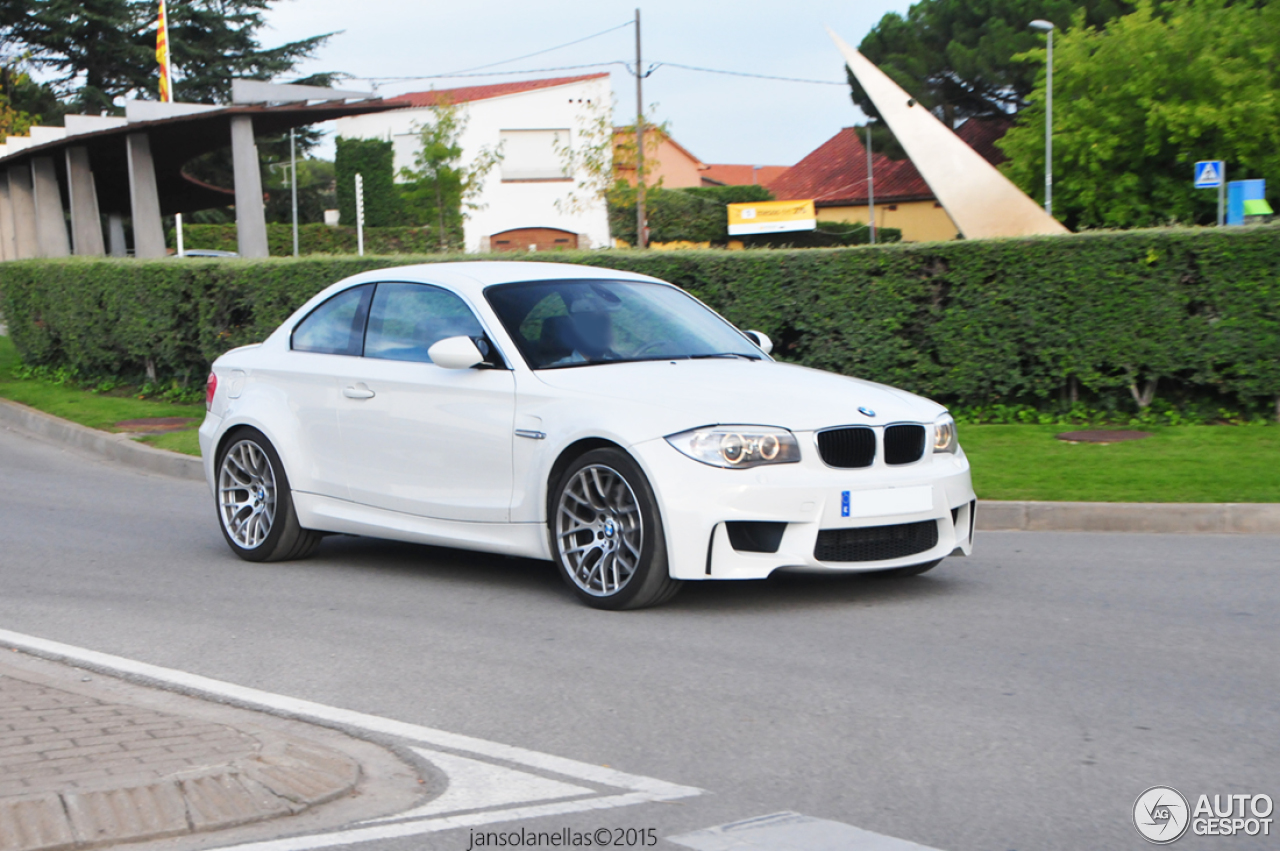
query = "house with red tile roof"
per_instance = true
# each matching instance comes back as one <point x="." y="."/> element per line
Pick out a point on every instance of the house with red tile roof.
<point x="834" y="176"/>
<point x="524" y="202"/>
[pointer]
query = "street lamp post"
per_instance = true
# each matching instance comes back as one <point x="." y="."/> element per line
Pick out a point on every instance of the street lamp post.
<point x="1047" y="28"/>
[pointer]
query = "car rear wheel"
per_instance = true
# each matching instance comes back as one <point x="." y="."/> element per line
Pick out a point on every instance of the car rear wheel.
<point x="606" y="533"/>
<point x="255" y="504"/>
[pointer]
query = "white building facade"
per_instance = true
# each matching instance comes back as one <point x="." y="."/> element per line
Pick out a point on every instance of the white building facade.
<point x="530" y="120"/>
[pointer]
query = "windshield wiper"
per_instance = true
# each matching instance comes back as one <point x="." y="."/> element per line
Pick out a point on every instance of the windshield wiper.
<point x="726" y="355"/>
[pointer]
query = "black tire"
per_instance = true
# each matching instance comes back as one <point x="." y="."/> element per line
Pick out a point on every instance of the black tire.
<point x="911" y="570"/>
<point x="284" y="539"/>
<point x="649" y="583"/>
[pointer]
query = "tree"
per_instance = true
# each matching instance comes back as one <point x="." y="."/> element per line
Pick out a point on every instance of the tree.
<point x="102" y="49"/>
<point x="24" y="102"/>
<point x="373" y="160"/>
<point x="439" y="189"/>
<point x="966" y="58"/>
<point x="1138" y="102"/>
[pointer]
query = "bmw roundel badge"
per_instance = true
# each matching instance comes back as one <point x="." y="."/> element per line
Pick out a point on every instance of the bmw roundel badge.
<point x="866" y="412"/>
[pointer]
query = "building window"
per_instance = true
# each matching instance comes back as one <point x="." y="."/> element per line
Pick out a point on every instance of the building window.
<point x="530" y="155"/>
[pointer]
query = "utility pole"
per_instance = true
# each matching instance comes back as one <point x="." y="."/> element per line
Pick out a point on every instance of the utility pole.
<point x="641" y="240"/>
<point x="293" y="182"/>
<point x="871" y="189"/>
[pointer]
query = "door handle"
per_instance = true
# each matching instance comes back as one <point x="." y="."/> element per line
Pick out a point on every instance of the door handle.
<point x="358" y="392"/>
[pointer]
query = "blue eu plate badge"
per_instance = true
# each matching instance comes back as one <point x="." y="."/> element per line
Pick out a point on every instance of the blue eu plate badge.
<point x="844" y="504"/>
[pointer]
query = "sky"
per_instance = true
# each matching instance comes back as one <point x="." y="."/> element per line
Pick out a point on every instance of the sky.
<point x="719" y="118"/>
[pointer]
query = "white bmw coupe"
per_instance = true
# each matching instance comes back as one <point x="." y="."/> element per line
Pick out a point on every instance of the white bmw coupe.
<point x="607" y="421"/>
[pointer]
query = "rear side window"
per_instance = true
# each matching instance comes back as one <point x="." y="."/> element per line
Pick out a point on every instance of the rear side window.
<point x="336" y="327"/>
<point x="408" y="319"/>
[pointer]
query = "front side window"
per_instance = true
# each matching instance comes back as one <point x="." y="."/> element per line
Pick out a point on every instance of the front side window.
<point x="408" y="319"/>
<point x="578" y="323"/>
<point x="336" y="327"/>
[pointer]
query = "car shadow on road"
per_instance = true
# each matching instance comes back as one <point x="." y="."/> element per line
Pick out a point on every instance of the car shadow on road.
<point x="460" y="569"/>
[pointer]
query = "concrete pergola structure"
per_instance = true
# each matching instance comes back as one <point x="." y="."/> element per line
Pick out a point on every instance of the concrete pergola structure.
<point x="115" y="167"/>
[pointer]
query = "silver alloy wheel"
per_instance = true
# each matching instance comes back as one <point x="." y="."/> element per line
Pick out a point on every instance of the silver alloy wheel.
<point x="247" y="494"/>
<point x="599" y="530"/>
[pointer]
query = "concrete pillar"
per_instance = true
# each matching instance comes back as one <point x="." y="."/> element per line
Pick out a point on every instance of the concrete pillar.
<point x="24" y="212"/>
<point x="8" y="244"/>
<point x="86" y="224"/>
<point x="51" y="221"/>
<point x="148" y="230"/>
<point x="115" y="236"/>
<point x="251" y="216"/>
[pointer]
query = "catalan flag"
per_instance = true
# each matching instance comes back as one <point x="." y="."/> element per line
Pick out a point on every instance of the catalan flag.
<point x="162" y="55"/>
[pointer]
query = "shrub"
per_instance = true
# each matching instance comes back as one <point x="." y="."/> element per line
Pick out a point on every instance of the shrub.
<point x="1111" y="320"/>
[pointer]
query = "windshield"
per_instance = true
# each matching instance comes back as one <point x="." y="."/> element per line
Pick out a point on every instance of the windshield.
<point x="578" y="323"/>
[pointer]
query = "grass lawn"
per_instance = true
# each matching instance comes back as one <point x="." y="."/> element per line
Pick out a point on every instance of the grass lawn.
<point x="1176" y="464"/>
<point x="96" y="410"/>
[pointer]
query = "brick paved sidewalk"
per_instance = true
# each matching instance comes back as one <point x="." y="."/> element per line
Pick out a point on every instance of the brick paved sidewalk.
<point x="79" y="770"/>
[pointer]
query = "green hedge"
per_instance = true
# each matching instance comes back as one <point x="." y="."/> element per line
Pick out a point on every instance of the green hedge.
<point x="316" y="239"/>
<point x="970" y="323"/>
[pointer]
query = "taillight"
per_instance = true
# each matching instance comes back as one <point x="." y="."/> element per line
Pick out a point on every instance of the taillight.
<point x="210" y="388"/>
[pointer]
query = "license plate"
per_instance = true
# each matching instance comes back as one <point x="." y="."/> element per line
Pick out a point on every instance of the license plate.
<point x="881" y="503"/>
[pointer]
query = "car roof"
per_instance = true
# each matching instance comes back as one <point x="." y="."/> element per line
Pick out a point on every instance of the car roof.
<point x="471" y="277"/>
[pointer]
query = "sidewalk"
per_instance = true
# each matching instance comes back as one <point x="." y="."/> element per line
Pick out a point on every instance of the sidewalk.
<point x="83" y="765"/>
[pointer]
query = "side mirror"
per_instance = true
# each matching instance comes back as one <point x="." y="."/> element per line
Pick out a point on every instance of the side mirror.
<point x="455" y="353"/>
<point x="761" y="340"/>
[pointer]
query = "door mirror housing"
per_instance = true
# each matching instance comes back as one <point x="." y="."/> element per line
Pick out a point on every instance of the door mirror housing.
<point x="455" y="353"/>
<point x="762" y="340"/>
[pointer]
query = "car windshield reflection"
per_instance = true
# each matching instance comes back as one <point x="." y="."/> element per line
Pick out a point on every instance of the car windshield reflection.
<point x="573" y="323"/>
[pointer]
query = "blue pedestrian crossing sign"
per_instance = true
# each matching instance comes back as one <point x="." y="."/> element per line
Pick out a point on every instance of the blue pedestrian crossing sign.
<point x="1209" y="174"/>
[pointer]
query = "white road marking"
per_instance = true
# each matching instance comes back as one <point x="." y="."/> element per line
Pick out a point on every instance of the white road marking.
<point x="475" y="785"/>
<point x="789" y="831"/>
<point x="479" y="783"/>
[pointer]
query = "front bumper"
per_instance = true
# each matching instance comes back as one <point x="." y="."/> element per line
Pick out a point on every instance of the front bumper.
<point x="698" y="500"/>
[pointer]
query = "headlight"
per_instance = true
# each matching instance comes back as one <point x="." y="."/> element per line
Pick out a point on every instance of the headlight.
<point x="738" y="447"/>
<point x="944" y="434"/>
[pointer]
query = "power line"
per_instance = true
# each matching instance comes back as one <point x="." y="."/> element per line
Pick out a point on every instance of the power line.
<point x="757" y="76"/>
<point x="466" y="72"/>
<point x="489" y="73"/>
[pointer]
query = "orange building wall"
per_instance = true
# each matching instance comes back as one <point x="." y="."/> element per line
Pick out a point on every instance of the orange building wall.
<point x="667" y="161"/>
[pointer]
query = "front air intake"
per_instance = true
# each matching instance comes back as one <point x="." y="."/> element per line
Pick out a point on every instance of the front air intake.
<point x="876" y="543"/>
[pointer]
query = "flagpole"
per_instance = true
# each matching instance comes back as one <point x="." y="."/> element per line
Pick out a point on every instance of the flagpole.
<point x="168" y="76"/>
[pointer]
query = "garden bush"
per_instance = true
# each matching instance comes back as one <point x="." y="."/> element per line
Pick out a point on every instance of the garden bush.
<point x="1117" y="321"/>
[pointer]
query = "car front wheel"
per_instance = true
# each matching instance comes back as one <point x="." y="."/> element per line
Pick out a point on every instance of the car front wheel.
<point x="255" y="504"/>
<point x="606" y="533"/>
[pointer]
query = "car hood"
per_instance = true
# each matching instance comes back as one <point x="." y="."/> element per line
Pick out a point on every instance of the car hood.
<point x="706" y="392"/>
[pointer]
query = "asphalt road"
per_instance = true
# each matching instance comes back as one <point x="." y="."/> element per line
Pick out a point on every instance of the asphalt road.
<point x="1019" y="699"/>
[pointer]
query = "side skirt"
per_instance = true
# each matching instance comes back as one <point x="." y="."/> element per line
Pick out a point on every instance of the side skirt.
<point x="327" y="514"/>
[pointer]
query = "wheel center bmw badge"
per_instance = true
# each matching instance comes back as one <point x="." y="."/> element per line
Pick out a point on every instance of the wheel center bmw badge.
<point x="866" y="412"/>
<point x="609" y="528"/>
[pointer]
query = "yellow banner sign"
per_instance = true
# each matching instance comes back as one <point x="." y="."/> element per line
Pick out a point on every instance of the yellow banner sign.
<point x="771" y="217"/>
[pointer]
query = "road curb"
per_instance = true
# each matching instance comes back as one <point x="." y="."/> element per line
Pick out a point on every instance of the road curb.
<point x="1223" y="518"/>
<point x="118" y="447"/>
<point x="1243" y="518"/>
